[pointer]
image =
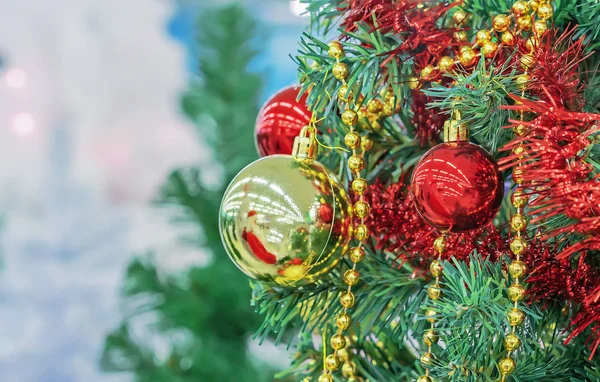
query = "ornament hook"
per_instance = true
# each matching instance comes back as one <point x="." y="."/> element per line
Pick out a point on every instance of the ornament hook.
<point x="305" y="145"/>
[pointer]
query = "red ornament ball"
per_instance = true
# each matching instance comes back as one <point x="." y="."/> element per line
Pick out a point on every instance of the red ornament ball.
<point x="457" y="187"/>
<point x="280" y="120"/>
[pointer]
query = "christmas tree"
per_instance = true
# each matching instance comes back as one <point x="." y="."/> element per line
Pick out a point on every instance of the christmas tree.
<point x="449" y="229"/>
<point x="202" y="317"/>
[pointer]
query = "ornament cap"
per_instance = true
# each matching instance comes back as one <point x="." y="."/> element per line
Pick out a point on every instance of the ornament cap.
<point x="305" y="145"/>
<point x="455" y="130"/>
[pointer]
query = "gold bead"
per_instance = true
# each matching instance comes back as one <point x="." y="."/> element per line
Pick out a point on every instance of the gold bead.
<point x="518" y="222"/>
<point x="515" y="317"/>
<point x="518" y="175"/>
<point x="424" y="378"/>
<point x="362" y="209"/>
<point x="359" y="185"/>
<point x="467" y="57"/>
<point x="351" y="278"/>
<point x="506" y="365"/>
<point x="356" y="378"/>
<point x="523" y="80"/>
<point x="357" y="254"/>
<point x="348" y="369"/>
<point x="349" y="117"/>
<point x="483" y="36"/>
<point x="366" y="144"/>
<point x="519" y="151"/>
<point x="520" y="8"/>
<point x="540" y="27"/>
<point x="427" y="72"/>
<point x="343" y="321"/>
<point x="527" y="61"/>
<point x="508" y="38"/>
<point x="524" y="22"/>
<point x="533" y="4"/>
<point x="343" y="354"/>
<point x="517" y="269"/>
<point x="516" y="292"/>
<point x="347" y="300"/>
<point x="512" y="342"/>
<point x="501" y="23"/>
<point x="356" y="163"/>
<point x="375" y="106"/>
<point x="336" y="50"/>
<point x="436" y="268"/>
<point x="340" y="71"/>
<point x="545" y="11"/>
<point x="459" y="17"/>
<point x="446" y="64"/>
<point x="440" y="244"/>
<point x="344" y="93"/>
<point x="427" y="359"/>
<point x="430" y="314"/>
<point x="332" y="362"/>
<point x="325" y="377"/>
<point x="430" y="337"/>
<point x="460" y="36"/>
<point x="519" y="246"/>
<point x="352" y="139"/>
<point x="532" y="43"/>
<point x="521" y="130"/>
<point x="489" y="49"/>
<point x="337" y="341"/>
<point x="519" y="198"/>
<point x="414" y="82"/>
<point x="361" y="232"/>
<point x="434" y="292"/>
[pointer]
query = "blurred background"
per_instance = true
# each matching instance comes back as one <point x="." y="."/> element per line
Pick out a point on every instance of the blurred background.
<point x="107" y="109"/>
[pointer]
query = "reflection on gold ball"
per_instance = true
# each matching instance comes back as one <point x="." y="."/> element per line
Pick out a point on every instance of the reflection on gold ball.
<point x="517" y="174"/>
<point x="489" y="49"/>
<point x="460" y="36"/>
<point x="332" y="362"/>
<point x="436" y="268"/>
<point x="515" y="317"/>
<point x="434" y="292"/>
<point x="340" y="71"/>
<point x="357" y="254"/>
<point x="361" y="232"/>
<point x="520" y="8"/>
<point x="349" y="117"/>
<point x="501" y="23"/>
<point x="430" y="337"/>
<point x="516" y="292"/>
<point x="375" y="106"/>
<point x="440" y="244"/>
<point x="483" y="36"/>
<point x="506" y="365"/>
<point x="540" y="27"/>
<point x="430" y="314"/>
<point x="366" y="144"/>
<point x="344" y="93"/>
<point x="446" y="64"/>
<point x="518" y="222"/>
<point x="352" y="139"/>
<point x="545" y="11"/>
<point x="337" y="341"/>
<point x="276" y="220"/>
<point x="361" y="209"/>
<point x="459" y="17"/>
<point x="351" y="277"/>
<point x="356" y="163"/>
<point x="512" y="342"/>
<point x="533" y="4"/>
<point x="527" y="61"/>
<point x="343" y="321"/>
<point x="359" y="185"/>
<point x="347" y="300"/>
<point x="343" y="354"/>
<point x="519" y="198"/>
<point x="524" y="23"/>
<point x="508" y="38"/>
<point x="336" y="50"/>
<point x="348" y="369"/>
<point x="521" y="130"/>
<point x="427" y="359"/>
<point x="519" y="246"/>
<point x="517" y="269"/>
<point x="519" y="151"/>
<point x="467" y="57"/>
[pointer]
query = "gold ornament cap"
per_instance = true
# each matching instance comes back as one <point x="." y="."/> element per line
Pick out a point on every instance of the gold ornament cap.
<point x="455" y="130"/>
<point x="305" y="145"/>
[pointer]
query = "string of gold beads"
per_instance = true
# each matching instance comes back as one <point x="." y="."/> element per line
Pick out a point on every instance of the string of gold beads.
<point x="434" y="291"/>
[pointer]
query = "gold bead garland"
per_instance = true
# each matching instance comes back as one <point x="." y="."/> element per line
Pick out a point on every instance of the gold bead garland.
<point x="434" y="291"/>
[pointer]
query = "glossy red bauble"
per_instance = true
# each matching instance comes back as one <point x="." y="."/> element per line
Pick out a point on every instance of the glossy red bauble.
<point x="457" y="187"/>
<point x="279" y="122"/>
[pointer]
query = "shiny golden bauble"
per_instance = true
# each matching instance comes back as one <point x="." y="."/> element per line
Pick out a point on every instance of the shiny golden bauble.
<point x="446" y="64"/>
<point x="352" y="139"/>
<point x="459" y="17"/>
<point x="375" y="106"/>
<point x="414" y="83"/>
<point x="534" y="5"/>
<point x="430" y="314"/>
<point x="430" y="337"/>
<point x="545" y="11"/>
<point x="343" y="354"/>
<point x="356" y="163"/>
<point x="520" y="130"/>
<point x="276" y="220"/>
<point x="347" y="300"/>
<point x="512" y="342"/>
<point x="440" y="244"/>
<point x="520" y="8"/>
<point x="359" y="185"/>
<point x="351" y="277"/>
<point x="540" y="27"/>
<point x="425" y="378"/>
<point x="519" y="198"/>
<point x="357" y="254"/>
<point x="361" y="209"/>
<point x="349" y="117"/>
<point x="523" y="80"/>
<point x="325" y="377"/>
<point x="532" y="43"/>
<point x="340" y="71"/>
<point x="336" y="50"/>
<point x="361" y="232"/>
<point x="337" y="341"/>
<point x="460" y="36"/>
<point x="516" y="292"/>
<point x="519" y="246"/>
<point x="344" y="93"/>
<point x="515" y="317"/>
<point x="501" y="23"/>
<point x="427" y="72"/>
<point x="517" y="269"/>
<point x="524" y="23"/>
<point x="518" y="222"/>
<point x="519" y="151"/>
<point x="427" y="359"/>
<point x="517" y="175"/>
<point x="366" y="144"/>
<point x="489" y="49"/>
<point x="343" y="321"/>
<point x="467" y="57"/>
<point x="483" y="36"/>
<point x="527" y="61"/>
<point x="436" y="268"/>
<point x="332" y="362"/>
<point x="434" y="292"/>
<point x="506" y="366"/>
<point x="348" y="369"/>
<point x="508" y="38"/>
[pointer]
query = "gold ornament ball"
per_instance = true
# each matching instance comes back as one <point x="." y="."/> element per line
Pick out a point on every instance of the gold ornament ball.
<point x="349" y="117"/>
<point x="515" y="317"/>
<point x="520" y="8"/>
<point x="351" y="277"/>
<point x="430" y="337"/>
<point x="336" y="50"/>
<point x="430" y="314"/>
<point x="533" y="4"/>
<point x="527" y="61"/>
<point x="427" y="72"/>
<point x="519" y="151"/>
<point x="344" y="93"/>
<point x="274" y="210"/>
<point x="460" y="36"/>
<point x="506" y="366"/>
<point x="424" y="378"/>
<point x="517" y="175"/>
<point x="489" y="49"/>
<point x="414" y="82"/>
<point x="348" y="369"/>
<point x="440" y="244"/>
<point x="519" y="198"/>
<point x="361" y="209"/>
<point x="347" y="300"/>
<point x="516" y="292"/>
<point x="520" y="130"/>
<point x="459" y="17"/>
<point x="436" y="268"/>
<point x="522" y="81"/>
<point x="356" y="163"/>
<point x="532" y="43"/>
<point x="340" y="71"/>
<point x="366" y="144"/>
<point x="512" y="342"/>
<point x="332" y="362"/>
<point x="518" y="222"/>
<point x="343" y="354"/>
<point x="359" y="185"/>
<point x="540" y="27"/>
<point x="446" y="64"/>
<point x="508" y="38"/>
<point x="467" y="57"/>
<point x="325" y="377"/>
<point x="357" y="254"/>
<point x="434" y="291"/>
<point x="483" y="36"/>
<point x="361" y="232"/>
<point x="517" y="269"/>
<point x="375" y="106"/>
<point x="545" y="11"/>
<point x="519" y="246"/>
<point x="524" y="23"/>
<point x="337" y="341"/>
<point x="343" y="321"/>
<point x="427" y="359"/>
<point x="352" y="139"/>
<point x="501" y="23"/>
